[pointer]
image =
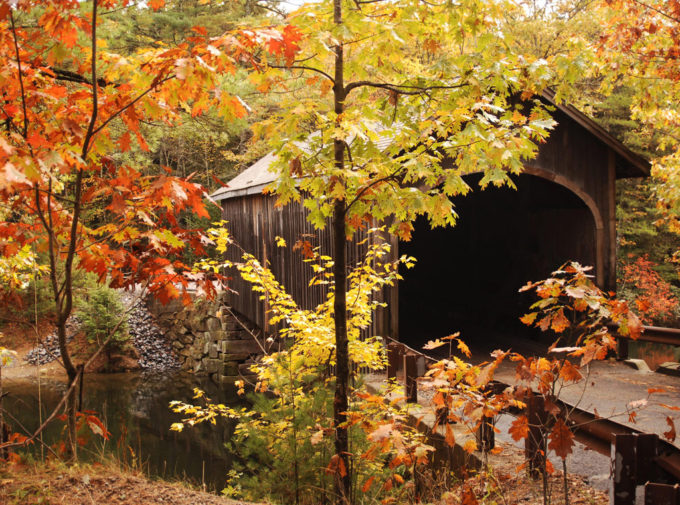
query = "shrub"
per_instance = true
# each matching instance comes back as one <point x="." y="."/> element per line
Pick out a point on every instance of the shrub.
<point x="100" y="312"/>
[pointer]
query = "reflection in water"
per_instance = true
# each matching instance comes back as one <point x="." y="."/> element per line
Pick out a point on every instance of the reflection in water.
<point x="134" y="408"/>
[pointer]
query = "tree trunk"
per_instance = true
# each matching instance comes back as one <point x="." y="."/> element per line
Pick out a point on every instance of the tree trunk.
<point x="72" y="374"/>
<point x="340" y="401"/>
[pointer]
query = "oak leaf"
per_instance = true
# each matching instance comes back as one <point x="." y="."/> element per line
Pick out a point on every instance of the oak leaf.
<point x="519" y="429"/>
<point x="561" y="439"/>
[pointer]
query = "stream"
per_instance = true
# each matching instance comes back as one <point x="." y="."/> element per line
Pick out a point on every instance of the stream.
<point x="134" y="408"/>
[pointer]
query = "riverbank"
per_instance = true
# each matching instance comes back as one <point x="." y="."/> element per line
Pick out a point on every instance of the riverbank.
<point x="56" y="484"/>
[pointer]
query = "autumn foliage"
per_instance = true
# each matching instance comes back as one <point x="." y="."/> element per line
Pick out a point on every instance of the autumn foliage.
<point x="69" y="105"/>
<point x="655" y="301"/>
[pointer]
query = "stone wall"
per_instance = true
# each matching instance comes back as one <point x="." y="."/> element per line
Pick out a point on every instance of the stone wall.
<point x="208" y="339"/>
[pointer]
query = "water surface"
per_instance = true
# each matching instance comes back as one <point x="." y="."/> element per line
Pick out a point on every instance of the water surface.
<point x="134" y="408"/>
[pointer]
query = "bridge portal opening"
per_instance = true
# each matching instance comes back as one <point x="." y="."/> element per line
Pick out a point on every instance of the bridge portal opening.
<point x="467" y="277"/>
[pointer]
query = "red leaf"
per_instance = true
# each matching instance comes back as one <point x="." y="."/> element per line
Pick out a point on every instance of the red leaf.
<point x="561" y="439"/>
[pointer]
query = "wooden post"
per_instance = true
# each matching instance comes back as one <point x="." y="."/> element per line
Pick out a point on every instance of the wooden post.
<point x="486" y="436"/>
<point x="622" y="348"/>
<point x="623" y="483"/>
<point x="646" y="451"/>
<point x="534" y="446"/>
<point x="393" y="358"/>
<point x="410" y="376"/>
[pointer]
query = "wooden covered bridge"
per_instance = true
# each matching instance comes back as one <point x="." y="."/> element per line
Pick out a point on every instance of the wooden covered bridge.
<point x="564" y="208"/>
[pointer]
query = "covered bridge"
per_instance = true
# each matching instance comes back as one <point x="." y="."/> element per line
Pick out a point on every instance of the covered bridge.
<point x="467" y="277"/>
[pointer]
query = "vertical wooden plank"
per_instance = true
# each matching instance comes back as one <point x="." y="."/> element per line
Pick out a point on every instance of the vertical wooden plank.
<point x="393" y="358"/>
<point x="646" y="449"/>
<point x="622" y="484"/>
<point x="394" y="296"/>
<point x="610" y="284"/>
<point x="410" y="376"/>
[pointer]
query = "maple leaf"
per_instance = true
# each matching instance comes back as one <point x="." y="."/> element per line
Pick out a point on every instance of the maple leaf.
<point x="569" y="372"/>
<point x="561" y="439"/>
<point x="519" y="429"/>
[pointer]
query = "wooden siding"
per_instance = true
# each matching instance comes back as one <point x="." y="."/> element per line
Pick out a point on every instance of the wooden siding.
<point x="255" y="222"/>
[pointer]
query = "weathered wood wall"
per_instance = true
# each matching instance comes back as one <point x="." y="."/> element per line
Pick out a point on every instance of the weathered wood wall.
<point x="255" y="222"/>
<point x="577" y="160"/>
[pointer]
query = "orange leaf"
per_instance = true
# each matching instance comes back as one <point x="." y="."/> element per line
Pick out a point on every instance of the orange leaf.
<point x="469" y="497"/>
<point x="156" y="4"/>
<point x="651" y="391"/>
<point x="561" y="439"/>
<point x="670" y="434"/>
<point x="519" y="428"/>
<point x="336" y="466"/>
<point x="559" y="322"/>
<point x="462" y="347"/>
<point x="450" y="438"/>
<point x="367" y="485"/>
<point x="529" y="318"/>
<point x="470" y="446"/>
<point x="570" y="373"/>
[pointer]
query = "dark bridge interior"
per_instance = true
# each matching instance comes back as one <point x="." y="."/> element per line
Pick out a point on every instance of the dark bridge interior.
<point x="467" y="277"/>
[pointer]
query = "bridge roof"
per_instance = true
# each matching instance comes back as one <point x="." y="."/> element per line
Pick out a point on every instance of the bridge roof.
<point x="628" y="164"/>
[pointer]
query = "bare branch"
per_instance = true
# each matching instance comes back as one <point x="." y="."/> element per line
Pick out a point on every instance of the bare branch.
<point x="402" y="89"/>
<point x="130" y="104"/>
<point x="21" y="79"/>
<point x="303" y="67"/>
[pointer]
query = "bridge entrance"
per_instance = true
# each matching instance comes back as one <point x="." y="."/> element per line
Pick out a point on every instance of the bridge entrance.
<point x="467" y="277"/>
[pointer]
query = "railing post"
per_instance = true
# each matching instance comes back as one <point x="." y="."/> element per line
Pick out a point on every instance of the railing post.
<point x="393" y="357"/>
<point x="486" y="436"/>
<point x="646" y="451"/>
<point x="410" y="376"/>
<point x="623" y="482"/>
<point x="622" y="348"/>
